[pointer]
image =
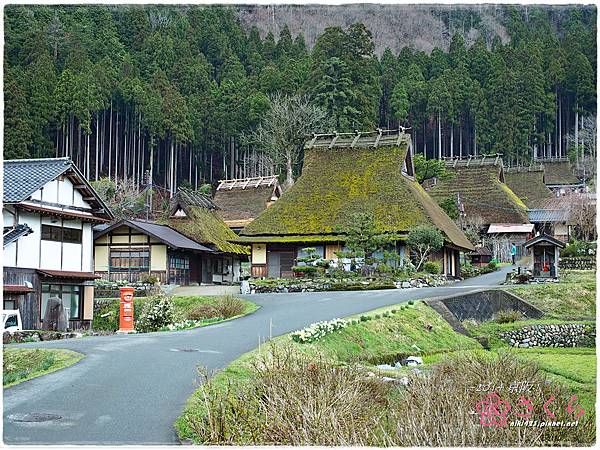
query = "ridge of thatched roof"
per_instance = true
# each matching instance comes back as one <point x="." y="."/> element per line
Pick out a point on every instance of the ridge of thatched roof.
<point x="242" y="200"/>
<point x="559" y="172"/>
<point x="528" y="184"/>
<point x="201" y="221"/>
<point x="483" y="193"/>
<point x="339" y="181"/>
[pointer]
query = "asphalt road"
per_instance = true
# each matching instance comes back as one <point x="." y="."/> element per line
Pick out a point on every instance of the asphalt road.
<point x="129" y="389"/>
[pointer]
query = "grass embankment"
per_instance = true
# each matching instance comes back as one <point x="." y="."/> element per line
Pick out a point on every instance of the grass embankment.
<point x="285" y="382"/>
<point x="573" y="297"/>
<point x="106" y="318"/>
<point x="320" y="394"/>
<point x="22" y="364"/>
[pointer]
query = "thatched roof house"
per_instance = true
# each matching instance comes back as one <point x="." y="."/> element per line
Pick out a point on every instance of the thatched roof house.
<point x="195" y="215"/>
<point x="529" y="184"/>
<point x="481" y="187"/>
<point x="344" y="174"/>
<point x="559" y="173"/>
<point x="240" y="201"/>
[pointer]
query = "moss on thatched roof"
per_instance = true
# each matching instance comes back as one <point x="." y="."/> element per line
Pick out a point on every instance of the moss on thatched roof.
<point x="245" y="199"/>
<point x="337" y="182"/>
<point x="482" y="192"/>
<point x="528" y="185"/>
<point x="559" y="173"/>
<point x="202" y="223"/>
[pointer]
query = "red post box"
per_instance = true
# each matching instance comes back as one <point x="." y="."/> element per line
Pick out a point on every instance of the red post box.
<point x="126" y="310"/>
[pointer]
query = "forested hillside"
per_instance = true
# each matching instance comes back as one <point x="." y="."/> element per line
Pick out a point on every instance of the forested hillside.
<point x="121" y="89"/>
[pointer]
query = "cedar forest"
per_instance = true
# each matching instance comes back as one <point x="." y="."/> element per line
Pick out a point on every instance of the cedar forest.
<point x="123" y="88"/>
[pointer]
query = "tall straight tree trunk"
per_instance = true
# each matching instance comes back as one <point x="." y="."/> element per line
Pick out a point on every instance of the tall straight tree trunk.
<point x="171" y="181"/>
<point x="96" y="148"/>
<point x="110" y="127"/>
<point x="577" y="134"/>
<point x="451" y="141"/>
<point x="475" y="141"/>
<point x="439" y="136"/>
<point x="460" y="141"/>
<point x="117" y="146"/>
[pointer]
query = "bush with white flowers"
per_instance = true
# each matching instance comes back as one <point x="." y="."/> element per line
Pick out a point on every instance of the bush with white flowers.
<point x="189" y="323"/>
<point x="318" y="330"/>
<point x="157" y="312"/>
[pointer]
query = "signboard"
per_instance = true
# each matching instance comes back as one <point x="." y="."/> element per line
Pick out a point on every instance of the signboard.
<point x="126" y="310"/>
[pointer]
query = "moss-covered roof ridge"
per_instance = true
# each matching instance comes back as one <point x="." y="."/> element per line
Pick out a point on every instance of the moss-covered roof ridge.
<point x="339" y="181"/>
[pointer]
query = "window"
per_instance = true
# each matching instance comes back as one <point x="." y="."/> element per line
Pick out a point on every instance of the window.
<point x="60" y="234"/>
<point x="72" y="235"/>
<point x="70" y="295"/>
<point x="10" y="304"/>
<point x="179" y="269"/>
<point x="218" y="267"/>
<point x="129" y="260"/>
<point x="179" y="262"/>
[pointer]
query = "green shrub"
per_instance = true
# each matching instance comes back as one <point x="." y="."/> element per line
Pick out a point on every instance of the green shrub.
<point x="363" y="318"/>
<point x="432" y="267"/>
<point x="157" y="312"/>
<point x="411" y="302"/>
<point x="394" y="311"/>
<point x="223" y="307"/>
<point x="492" y="265"/>
<point x="307" y="271"/>
<point x="507" y="316"/>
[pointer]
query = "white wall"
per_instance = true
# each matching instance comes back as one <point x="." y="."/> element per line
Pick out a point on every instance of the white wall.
<point x="32" y="252"/>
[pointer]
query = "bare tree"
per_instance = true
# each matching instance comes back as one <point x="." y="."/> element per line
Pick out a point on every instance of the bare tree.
<point x="284" y="129"/>
<point x="583" y="215"/>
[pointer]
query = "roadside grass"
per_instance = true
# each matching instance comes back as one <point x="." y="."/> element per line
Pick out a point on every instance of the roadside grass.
<point x="107" y="317"/>
<point x="573" y="297"/>
<point x="22" y="364"/>
<point x="231" y="394"/>
<point x="575" y="368"/>
<point x="413" y="330"/>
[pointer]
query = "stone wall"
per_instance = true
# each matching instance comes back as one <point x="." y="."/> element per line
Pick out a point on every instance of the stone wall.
<point x="345" y="284"/>
<point x="577" y="263"/>
<point x="559" y="335"/>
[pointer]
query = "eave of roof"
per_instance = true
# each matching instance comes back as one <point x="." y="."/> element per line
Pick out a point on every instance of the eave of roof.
<point x="173" y="238"/>
<point x="68" y="274"/>
<point x="60" y="213"/>
<point x="544" y="238"/>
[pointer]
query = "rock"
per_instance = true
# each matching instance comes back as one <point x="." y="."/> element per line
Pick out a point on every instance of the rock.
<point x="524" y="345"/>
<point x="405" y="285"/>
<point x="413" y="361"/>
<point x="385" y="367"/>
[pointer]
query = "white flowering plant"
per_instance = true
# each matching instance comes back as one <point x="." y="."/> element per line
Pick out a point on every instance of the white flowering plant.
<point x="318" y="330"/>
<point x="189" y="323"/>
<point x="157" y="312"/>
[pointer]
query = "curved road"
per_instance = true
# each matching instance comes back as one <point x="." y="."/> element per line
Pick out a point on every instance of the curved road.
<point x="129" y="389"/>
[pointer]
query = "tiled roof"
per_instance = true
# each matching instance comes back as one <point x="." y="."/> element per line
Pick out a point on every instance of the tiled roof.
<point x="16" y="289"/>
<point x="544" y="238"/>
<point x="163" y="233"/>
<point x="15" y="233"/>
<point x="548" y="215"/>
<point x="22" y="177"/>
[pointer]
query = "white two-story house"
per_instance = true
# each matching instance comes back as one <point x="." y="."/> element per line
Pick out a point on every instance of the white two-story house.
<point x="49" y="209"/>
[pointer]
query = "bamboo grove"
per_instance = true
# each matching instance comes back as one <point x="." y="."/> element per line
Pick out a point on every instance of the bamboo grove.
<point x="127" y="89"/>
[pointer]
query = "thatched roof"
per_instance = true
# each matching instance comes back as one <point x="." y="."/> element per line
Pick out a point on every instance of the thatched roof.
<point x="343" y="175"/>
<point x="480" y="184"/>
<point x="528" y="184"/>
<point x="559" y="172"/>
<point x="195" y="215"/>
<point x="240" y="201"/>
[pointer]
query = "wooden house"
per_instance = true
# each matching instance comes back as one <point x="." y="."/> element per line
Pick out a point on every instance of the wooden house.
<point x="501" y="236"/>
<point x="479" y="183"/>
<point x="559" y="176"/>
<point x="344" y="174"/>
<point x="136" y="250"/>
<point x="48" y="213"/>
<point x="529" y="184"/>
<point x="481" y="256"/>
<point x="240" y="201"/>
<point x="196" y="216"/>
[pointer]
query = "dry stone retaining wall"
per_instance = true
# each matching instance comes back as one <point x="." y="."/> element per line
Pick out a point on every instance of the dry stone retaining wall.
<point x="559" y="335"/>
